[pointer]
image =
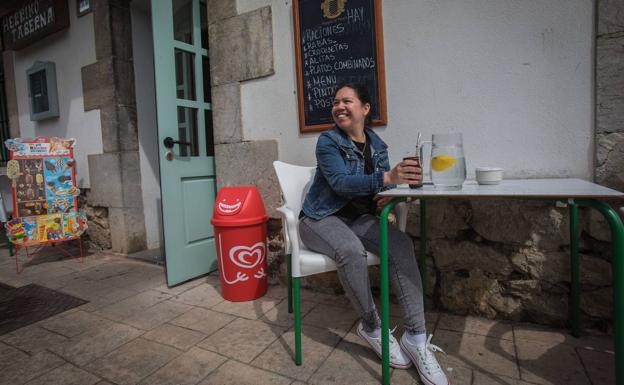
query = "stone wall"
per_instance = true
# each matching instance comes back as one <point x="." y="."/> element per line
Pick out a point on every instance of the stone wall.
<point x="609" y="103"/>
<point x="241" y="49"/>
<point x="610" y="94"/>
<point x="510" y="259"/>
<point x="98" y="234"/>
<point x="108" y="85"/>
<point x="609" y="120"/>
<point x="501" y="259"/>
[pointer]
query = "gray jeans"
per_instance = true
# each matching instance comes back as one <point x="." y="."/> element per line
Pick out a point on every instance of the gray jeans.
<point x="346" y="242"/>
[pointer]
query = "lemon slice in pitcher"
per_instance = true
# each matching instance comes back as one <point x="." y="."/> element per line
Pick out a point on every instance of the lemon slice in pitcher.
<point x="442" y="162"/>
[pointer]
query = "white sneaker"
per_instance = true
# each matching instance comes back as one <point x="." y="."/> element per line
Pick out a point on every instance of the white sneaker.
<point x="398" y="358"/>
<point x="426" y="363"/>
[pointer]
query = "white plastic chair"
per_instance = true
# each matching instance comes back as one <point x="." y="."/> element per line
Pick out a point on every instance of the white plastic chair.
<point x="295" y="182"/>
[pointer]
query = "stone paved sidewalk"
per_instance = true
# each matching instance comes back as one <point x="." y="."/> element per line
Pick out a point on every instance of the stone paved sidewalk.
<point x="135" y="330"/>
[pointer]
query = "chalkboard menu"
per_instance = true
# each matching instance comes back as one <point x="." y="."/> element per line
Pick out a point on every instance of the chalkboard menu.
<point x="336" y="42"/>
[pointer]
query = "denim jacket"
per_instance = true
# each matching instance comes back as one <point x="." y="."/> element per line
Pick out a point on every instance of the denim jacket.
<point x="340" y="172"/>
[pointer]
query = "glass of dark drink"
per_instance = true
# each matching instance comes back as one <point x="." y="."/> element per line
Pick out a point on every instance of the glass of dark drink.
<point x="417" y="159"/>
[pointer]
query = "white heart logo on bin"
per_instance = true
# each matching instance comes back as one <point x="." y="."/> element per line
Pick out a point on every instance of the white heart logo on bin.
<point x="248" y="257"/>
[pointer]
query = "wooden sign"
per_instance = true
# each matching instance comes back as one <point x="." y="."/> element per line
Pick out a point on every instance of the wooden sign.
<point x="336" y="42"/>
<point x="32" y="20"/>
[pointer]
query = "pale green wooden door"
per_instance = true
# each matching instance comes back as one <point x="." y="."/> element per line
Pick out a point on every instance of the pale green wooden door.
<point x="186" y="150"/>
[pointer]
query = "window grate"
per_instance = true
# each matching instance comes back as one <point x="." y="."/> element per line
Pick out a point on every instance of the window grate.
<point x="39" y="89"/>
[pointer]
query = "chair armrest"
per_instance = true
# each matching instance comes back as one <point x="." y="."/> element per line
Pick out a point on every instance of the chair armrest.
<point x="290" y="231"/>
<point x="401" y="212"/>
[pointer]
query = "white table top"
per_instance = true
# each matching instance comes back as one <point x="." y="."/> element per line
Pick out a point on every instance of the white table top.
<point x="513" y="188"/>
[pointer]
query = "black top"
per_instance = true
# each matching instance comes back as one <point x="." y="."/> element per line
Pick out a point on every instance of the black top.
<point x="360" y="205"/>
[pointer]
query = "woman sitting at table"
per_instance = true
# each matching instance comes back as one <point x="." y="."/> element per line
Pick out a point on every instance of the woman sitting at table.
<point x="338" y="219"/>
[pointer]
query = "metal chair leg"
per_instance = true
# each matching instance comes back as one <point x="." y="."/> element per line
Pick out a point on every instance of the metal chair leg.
<point x="385" y="291"/>
<point x="290" y="283"/>
<point x="298" y="355"/>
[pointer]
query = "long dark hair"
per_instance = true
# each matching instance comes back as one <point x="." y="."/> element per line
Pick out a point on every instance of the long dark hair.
<point x="362" y="94"/>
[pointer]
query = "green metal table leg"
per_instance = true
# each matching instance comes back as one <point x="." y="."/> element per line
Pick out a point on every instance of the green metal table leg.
<point x="575" y="288"/>
<point x="298" y="355"/>
<point x="617" y="240"/>
<point x="290" y="285"/>
<point x="385" y="292"/>
<point x="422" y="262"/>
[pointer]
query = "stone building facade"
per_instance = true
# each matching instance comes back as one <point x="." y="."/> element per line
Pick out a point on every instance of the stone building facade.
<point x="510" y="259"/>
<point x="500" y="259"/>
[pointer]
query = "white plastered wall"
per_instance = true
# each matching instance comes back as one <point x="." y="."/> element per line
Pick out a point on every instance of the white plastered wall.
<point x="70" y="49"/>
<point x="515" y="77"/>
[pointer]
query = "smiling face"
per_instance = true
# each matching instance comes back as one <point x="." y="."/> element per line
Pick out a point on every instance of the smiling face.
<point x="348" y="111"/>
<point x="229" y="207"/>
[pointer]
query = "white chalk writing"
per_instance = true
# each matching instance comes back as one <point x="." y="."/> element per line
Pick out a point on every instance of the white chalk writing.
<point x="332" y="53"/>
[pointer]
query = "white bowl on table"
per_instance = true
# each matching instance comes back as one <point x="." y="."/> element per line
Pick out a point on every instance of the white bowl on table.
<point x="489" y="175"/>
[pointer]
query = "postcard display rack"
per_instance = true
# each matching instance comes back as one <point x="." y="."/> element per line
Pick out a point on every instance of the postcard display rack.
<point x="45" y="197"/>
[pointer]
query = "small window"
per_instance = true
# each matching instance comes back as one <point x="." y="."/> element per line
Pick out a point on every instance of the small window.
<point x="42" y="91"/>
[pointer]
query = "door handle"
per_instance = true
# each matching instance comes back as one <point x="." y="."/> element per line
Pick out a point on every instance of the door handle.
<point x="169" y="142"/>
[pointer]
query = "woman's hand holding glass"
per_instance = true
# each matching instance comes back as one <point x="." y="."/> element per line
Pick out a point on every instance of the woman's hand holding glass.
<point x="407" y="171"/>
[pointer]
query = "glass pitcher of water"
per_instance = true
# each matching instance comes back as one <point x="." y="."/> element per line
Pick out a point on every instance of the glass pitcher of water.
<point x="447" y="165"/>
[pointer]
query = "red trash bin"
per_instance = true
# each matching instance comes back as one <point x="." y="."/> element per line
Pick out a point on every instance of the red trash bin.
<point x="239" y="221"/>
